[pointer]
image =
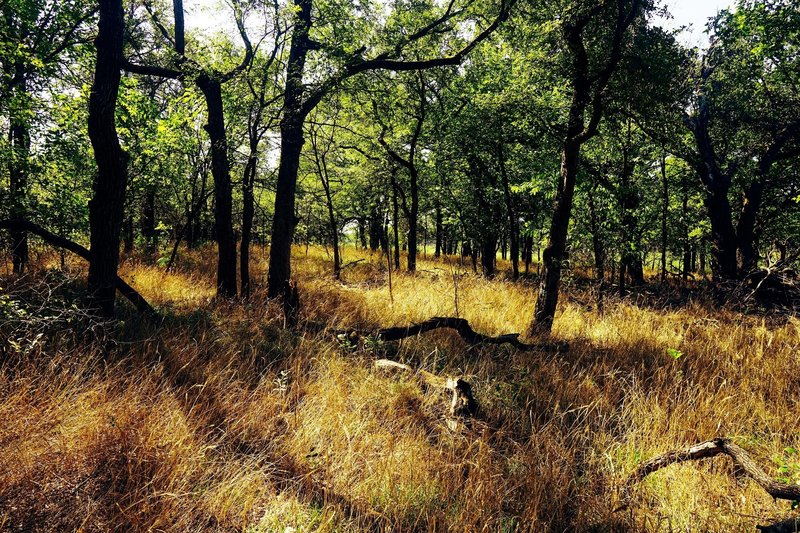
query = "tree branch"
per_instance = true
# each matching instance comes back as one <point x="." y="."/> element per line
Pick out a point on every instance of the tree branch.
<point x="126" y="290"/>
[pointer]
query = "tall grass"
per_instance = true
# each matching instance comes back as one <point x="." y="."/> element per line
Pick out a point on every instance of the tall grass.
<point x="222" y="420"/>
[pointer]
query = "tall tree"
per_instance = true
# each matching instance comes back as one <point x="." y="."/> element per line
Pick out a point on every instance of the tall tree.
<point x="108" y="201"/>
<point x="210" y="82"/>
<point x="604" y="27"/>
<point x="300" y="100"/>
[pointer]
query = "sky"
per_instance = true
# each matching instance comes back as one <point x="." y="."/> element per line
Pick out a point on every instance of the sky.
<point x="693" y="13"/>
<point x="208" y="17"/>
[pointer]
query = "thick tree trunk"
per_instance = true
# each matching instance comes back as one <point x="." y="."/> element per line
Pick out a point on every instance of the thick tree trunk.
<point x="284" y="219"/>
<point x="223" y="196"/>
<point x="723" y="235"/>
<point x="746" y="227"/>
<point x="106" y="208"/>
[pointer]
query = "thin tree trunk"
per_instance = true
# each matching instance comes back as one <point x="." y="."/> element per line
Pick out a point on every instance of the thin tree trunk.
<point x="248" y="213"/>
<point x="664" y="215"/>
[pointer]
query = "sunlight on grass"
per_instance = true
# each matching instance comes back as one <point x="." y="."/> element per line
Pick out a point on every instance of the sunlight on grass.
<point x="224" y="420"/>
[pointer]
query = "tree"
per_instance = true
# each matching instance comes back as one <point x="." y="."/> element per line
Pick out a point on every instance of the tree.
<point x="591" y="70"/>
<point x="300" y="100"/>
<point x="210" y="82"/>
<point x="108" y="201"/>
<point x="35" y="35"/>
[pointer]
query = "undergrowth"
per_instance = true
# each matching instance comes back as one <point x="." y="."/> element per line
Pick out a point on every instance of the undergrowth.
<point x="220" y="419"/>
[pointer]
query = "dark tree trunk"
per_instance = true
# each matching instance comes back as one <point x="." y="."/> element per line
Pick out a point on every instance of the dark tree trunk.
<point x="555" y="254"/>
<point x="223" y="196"/>
<point x="127" y="235"/>
<point x="413" y="219"/>
<point x="149" y="221"/>
<point x="664" y="214"/>
<point x="285" y="220"/>
<point x="746" y="227"/>
<point x="322" y="169"/>
<point x="20" y="141"/>
<point x="106" y="208"/>
<point x="248" y="213"/>
<point x="396" y="228"/>
<point x="375" y="229"/>
<point x="723" y="236"/>
<point x="362" y="233"/>
<point x="597" y="240"/>
<point x="438" y="250"/>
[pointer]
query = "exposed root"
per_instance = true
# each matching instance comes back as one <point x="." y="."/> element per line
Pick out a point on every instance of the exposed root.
<point x="710" y="448"/>
<point x="462" y="402"/>
<point x="464" y="330"/>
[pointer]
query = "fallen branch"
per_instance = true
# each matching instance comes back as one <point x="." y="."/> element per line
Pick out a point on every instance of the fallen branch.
<point x="462" y="403"/>
<point x="711" y="448"/>
<point x="464" y="330"/>
<point x="126" y="290"/>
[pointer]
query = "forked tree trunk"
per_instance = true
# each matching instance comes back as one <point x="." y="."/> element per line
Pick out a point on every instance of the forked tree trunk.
<point x="106" y="208"/>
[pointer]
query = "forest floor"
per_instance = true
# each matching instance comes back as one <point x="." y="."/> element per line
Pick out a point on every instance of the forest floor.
<point x="222" y="420"/>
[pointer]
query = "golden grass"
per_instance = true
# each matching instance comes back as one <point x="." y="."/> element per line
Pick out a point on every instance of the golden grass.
<point x="223" y="420"/>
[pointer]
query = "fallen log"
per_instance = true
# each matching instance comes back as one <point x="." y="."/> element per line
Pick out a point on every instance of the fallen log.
<point x="470" y="336"/>
<point x="790" y="525"/>
<point x="711" y="448"/>
<point x="124" y="289"/>
<point x="462" y="402"/>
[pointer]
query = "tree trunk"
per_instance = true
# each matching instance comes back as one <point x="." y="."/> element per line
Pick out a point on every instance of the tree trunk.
<point x="248" y="213"/>
<point x="555" y="254"/>
<point x="597" y="240"/>
<point x="723" y="236"/>
<point x="438" y="250"/>
<point x="664" y="214"/>
<point x="395" y="228"/>
<point x="413" y="216"/>
<point x="223" y="198"/>
<point x="284" y="219"/>
<point x="20" y="141"/>
<point x="745" y="228"/>
<point x="149" y="221"/>
<point x="106" y="208"/>
<point x="375" y="229"/>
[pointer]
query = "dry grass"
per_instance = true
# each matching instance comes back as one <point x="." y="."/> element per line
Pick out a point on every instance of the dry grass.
<point x="223" y="420"/>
